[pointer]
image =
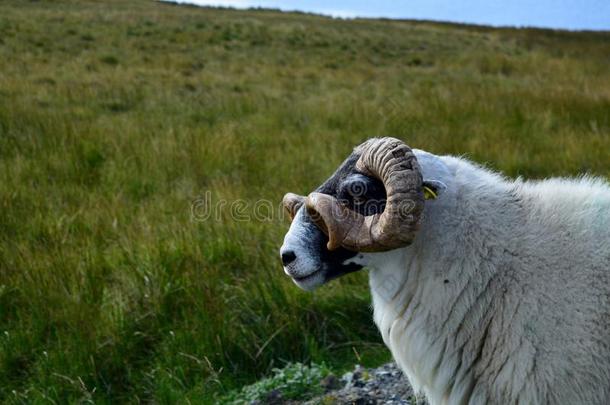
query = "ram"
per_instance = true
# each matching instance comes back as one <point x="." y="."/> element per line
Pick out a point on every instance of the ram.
<point x="485" y="289"/>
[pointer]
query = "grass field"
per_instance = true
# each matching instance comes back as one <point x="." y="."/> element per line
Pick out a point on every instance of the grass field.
<point x="115" y="116"/>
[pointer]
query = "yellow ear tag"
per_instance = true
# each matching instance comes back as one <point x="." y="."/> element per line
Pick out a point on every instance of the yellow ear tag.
<point x="429" y="194"/>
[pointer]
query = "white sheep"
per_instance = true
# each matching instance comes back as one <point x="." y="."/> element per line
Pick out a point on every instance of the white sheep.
<point x="490" y="291"/>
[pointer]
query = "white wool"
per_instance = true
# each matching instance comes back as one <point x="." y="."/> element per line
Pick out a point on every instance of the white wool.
<point x="504" y="296"/>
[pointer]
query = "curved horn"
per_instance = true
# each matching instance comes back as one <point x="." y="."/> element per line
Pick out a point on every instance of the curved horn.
<point x="392" y="162"/>
<point x="292" y="203"/>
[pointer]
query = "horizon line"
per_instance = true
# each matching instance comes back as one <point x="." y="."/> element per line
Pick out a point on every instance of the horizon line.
<point x="349" y="16"/>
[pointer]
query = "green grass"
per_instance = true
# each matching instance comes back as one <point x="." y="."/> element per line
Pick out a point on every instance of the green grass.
<point x="115" y="116"/>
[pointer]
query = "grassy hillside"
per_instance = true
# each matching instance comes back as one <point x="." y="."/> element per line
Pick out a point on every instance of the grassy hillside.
<point x="115" y="116"/>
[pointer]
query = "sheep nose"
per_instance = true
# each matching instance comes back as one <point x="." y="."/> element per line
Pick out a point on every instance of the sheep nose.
<point x="288" y="257"/>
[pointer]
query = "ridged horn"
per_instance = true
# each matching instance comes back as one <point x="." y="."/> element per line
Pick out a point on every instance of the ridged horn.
<point x="292" y="203"/>
<point x="392" y="162"/>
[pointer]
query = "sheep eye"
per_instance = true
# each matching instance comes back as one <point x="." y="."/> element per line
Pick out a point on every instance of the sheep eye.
<point x="363" y="194"/>
<point x="357" y="189"/>
<point x="359" y="200"/>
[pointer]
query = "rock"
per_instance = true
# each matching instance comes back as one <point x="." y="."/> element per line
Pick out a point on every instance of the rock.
<point x="331" y="382"/>
<point x="347" y="378"/>
<point x="359" y="383"/>
<point x="382" y="385"/>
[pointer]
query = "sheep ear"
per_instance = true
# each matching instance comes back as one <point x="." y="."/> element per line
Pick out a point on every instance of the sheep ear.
<point x="433" y="189"/>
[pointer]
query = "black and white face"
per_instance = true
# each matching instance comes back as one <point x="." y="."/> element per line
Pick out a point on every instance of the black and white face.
<point x="304" y="254"/>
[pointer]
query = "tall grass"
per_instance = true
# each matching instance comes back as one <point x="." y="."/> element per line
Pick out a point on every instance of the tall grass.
<point x="115" y="116"/>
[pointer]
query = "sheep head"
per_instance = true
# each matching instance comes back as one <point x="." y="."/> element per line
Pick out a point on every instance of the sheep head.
<point x="372" y="203"/>
<point x="394" y="164"/>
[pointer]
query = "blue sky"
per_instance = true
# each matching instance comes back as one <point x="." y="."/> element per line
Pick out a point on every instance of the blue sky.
<point x="568" y="14"/>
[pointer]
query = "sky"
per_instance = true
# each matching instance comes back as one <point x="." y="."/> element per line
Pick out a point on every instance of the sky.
<point x="565" y="14"/>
